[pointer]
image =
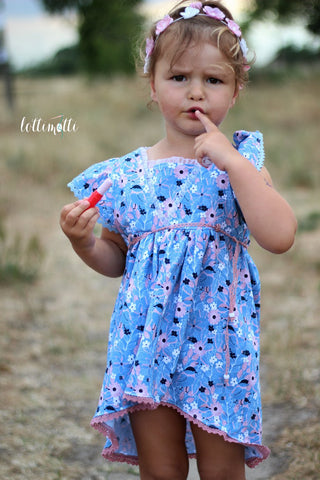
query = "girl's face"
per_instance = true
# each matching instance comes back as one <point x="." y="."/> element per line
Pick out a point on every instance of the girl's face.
<point x="201" y="79"/>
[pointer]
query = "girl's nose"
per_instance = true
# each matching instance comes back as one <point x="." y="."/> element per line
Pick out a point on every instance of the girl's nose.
<point x="195" y="92"/>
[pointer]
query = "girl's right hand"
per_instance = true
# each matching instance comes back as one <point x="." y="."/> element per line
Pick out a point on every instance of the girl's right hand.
<point x="77" y="222"/>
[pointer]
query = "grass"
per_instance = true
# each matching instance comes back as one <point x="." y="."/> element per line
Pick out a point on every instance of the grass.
<point x="51" y="349"/>
<point x="19" y="261"/>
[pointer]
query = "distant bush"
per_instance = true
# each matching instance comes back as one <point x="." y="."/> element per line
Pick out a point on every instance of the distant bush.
<point x="290" y="61"/>
<point x="66" y="61"/>
<point x="292" y="54"/>
<point x="310" y="222"/>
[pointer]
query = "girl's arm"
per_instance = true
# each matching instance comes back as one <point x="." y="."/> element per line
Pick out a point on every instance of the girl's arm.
<point x="268" y="216"/>
<point x="107" y="254"/>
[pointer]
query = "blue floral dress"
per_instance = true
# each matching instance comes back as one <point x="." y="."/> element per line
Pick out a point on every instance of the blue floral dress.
<point x="185" y="328"/>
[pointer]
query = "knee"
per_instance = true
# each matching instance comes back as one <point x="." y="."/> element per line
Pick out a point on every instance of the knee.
<point x="165" y="472"/>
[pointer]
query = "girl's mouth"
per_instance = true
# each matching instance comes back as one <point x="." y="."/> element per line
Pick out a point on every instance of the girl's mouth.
<point x="192" y="112"/>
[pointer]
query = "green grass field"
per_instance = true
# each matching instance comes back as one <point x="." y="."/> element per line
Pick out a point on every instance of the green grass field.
<point x="52" y="340"/>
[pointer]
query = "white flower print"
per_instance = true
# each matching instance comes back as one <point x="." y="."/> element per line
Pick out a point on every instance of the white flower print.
<point x="250" y="336"/>
<point x="132" y="307"/>
<point x="212" y="360"/>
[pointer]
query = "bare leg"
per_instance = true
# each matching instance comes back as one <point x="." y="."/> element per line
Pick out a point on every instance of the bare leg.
<point x="160" y="440"/>
<point x="216" y="458"/>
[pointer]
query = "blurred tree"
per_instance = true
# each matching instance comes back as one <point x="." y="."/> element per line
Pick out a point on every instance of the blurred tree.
<point x="108" y="30"/>
<point x="287" y="10"/>
<point x="5" y="68"/>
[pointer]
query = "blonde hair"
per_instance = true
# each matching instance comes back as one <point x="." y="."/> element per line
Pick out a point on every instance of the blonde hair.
<point x="194" y="30"/>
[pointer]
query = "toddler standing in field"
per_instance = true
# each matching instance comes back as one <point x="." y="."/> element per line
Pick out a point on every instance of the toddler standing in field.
<point x="182" y="376"/>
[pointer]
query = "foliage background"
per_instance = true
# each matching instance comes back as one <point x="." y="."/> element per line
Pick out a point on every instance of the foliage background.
<point x="107" y="31"/>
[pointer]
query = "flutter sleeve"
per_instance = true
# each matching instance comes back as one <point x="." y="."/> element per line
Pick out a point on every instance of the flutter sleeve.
<point x="250" y="145"/>
<point x="88" y="181"/>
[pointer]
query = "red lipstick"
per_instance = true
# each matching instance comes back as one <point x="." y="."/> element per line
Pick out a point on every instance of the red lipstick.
<point x="96" y="196"/>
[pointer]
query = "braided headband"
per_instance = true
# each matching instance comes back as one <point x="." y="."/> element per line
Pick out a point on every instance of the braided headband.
<point x="192" y="11"/>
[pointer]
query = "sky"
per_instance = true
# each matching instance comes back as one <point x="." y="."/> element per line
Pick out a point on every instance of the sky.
<point x="32" y="35"/>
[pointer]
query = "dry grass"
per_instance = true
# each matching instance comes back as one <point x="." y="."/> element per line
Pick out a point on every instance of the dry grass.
<point x="52" y="347"/>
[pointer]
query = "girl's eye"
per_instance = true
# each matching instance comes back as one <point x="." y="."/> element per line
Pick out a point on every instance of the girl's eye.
<point x="178" y="78"/>
<point x="214" y="81"/>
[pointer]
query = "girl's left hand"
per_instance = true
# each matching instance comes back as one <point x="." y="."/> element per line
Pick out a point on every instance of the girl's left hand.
<point x="213" y="145"/>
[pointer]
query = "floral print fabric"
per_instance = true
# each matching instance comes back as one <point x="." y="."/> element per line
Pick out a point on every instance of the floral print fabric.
<point x="185" y="327"/>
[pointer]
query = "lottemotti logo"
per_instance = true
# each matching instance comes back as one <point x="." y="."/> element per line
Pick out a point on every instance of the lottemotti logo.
<point x="56" y="125"/>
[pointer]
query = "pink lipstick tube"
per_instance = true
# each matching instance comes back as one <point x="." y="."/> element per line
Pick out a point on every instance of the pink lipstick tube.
<point x="96" y="196"/>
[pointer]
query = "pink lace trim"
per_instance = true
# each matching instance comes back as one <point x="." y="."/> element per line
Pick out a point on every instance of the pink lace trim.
<point x="145" y="403"/>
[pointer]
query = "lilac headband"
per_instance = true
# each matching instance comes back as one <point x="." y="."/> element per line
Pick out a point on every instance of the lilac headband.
<point x="193" y="10"/>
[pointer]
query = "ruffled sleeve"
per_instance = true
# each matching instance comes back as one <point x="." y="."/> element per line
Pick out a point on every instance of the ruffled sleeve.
<point x="250" y="145"/>
<point x="86" y="182"/>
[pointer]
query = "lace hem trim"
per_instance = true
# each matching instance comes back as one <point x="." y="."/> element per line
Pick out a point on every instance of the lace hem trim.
<point x="146" y="404"/>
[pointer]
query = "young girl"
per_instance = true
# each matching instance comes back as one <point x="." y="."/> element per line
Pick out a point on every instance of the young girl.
<point x="182" y="377"/>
